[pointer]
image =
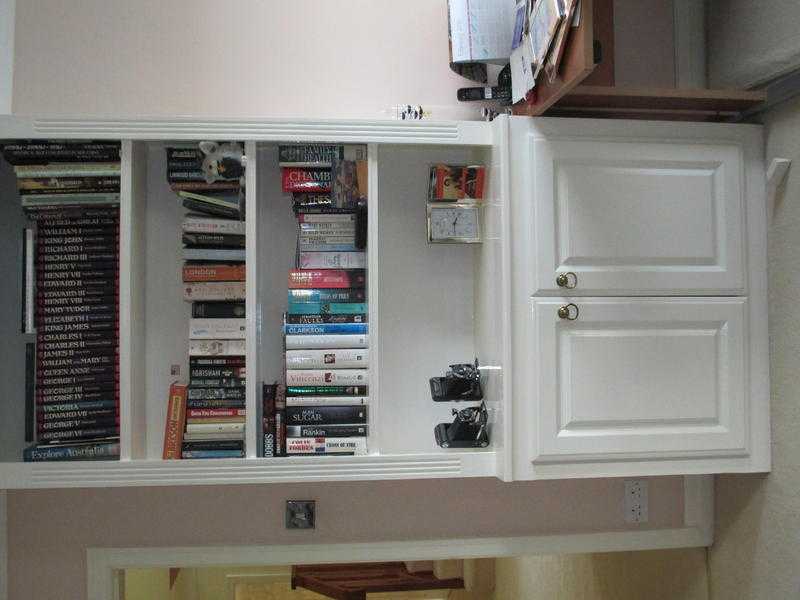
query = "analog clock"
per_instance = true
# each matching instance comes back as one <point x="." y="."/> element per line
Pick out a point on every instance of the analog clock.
<point x="454" y="223"/>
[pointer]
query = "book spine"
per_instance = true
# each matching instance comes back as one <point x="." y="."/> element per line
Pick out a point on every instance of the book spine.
<point x="98" y="451"/>
<point x="73" y="380"/>
<point x="79" y="434"/>
<point x="327" y="376"/>
<point x="213" y="445"/>
<point x="339" y="218"/>
<point x="202" y="186"/>
<point x="218" y="310"/>
<point x="322" y="445"/>
<point x="216" y="347"/>
<point x="216" y="240"/>
<point x="322" y="296"/>
<point x="221" y="361"/>
<point x="333" y="260"/>
<point x="317" y="431"/>
<point x="211" y="209"/>
<point x="326" y="415"/>
<point x="222" y="272"/>
<point x="218" y="371"/>
<point x="217" y="226"/>
<point x="46" y="393"/>
<point x="104" y="414"/>
<point x="215" y="403"/>
<point x="214" y="291"/>
<point x="319" y="155"/>
<point x="303" y="179"/>
<point x="58" y="425"/>
<point x="28" y="318"/>
<point x="214" y="254"/>
<point x="217" y="329"/>
<point x="327" y="390"/>
<point x="327" y="308"/>
<point x="326" y="400"/>
<point x="326" y="278"/>
<point x="302" y="342"/>
<point x="30" y="387"/>
<point x="325" y="328"/>
<point x="187" y="454"/>
<point x="212" y="413"/>
<point x="215" y="427"/>
<point x="77" y="407"/>
<point x="218" y="394"/>
<point x="327" y="359"/>
<point x="176" y="419"/>
<point x="336" y="246"/>
<point x="268" y="394"/>
<point x="226" y="382"/>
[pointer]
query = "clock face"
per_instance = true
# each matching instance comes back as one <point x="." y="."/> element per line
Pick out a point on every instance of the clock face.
<point x="454" y="224"/>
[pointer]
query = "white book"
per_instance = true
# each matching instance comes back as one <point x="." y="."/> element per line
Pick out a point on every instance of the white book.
<point x="217" y="347"/>
<point x="327" y="400"/>
<point x="347" y="358"/>
<point x="209" y="225"/>
<point x="327" y="377"/>
<point x="333" y="260"/>
<point x="216" y="427"/>
<point x="327" y="218"/>
<point x="298" y="342"/>
<point x="214" y="290"/>
<point x="210" y="436"/>
<point x="329" y="445"/>
<point x="217" y="329"/>
<point x="215" y="254"/>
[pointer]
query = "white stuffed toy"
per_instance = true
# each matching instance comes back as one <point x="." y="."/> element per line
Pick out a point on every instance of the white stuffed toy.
<point x="223" y="162"/>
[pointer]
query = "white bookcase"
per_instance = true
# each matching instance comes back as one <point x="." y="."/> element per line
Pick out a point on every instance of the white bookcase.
<point x="433" y="305"/>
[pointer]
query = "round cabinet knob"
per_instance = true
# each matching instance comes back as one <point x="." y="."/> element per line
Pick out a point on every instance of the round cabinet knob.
<point x="568" y="311"/>
<point x="567" y="280"/>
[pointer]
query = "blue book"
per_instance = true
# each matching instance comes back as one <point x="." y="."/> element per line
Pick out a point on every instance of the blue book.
<point x="324" y="328"/>
<point x="327" y="295"/>
<point x="328" y="308"/>
<point x="328" y="247"/>
<point x="211" y="454"/>
<point x="98" y="451"/>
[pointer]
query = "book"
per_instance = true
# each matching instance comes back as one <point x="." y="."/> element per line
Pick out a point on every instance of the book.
<point x="321" y="221"/>
<point x="326" y="296"/>
<point x="304" y="179"/>
<point x="333" y="260"/>
<point x="326" y="415"/>
<point x="198" y="224"/>
<point x="29" y="281"/>
<point x="176" y="420"/>
<point x="209" y="208"/>
<point x="216" y="403"/>
<point x="216" y="347"/>
<point x="107" y="414"/>
<point x="299" y="342"/>
<point x="200" y="382"/>
<point x="61" y="425"/>
<point x="38" y="152"/>
<point x="215" y="427"/>
<point x="213" y="240"/>
<point x="203" y="436"/>
<point x="217" y="329"/>
<point x="327" y="278"/>
<point x="325" y="318"/>
<point x="220" y="272"/>
<point x="317" y="431"/>
<point x="318" y="155"/>
<point x="454" y="182"/>
<point x="206" y="420"/>
<point x="217" y="361"/>
<point x="325" y="328"/>
<point x="326" y="308"/>
<point x="215" y="393"/>
<point x="214" y="413"/>
<point x="326" y="400"/>
<point x="268" y="417"/>
<point x="188" y="454"/>
<point x="213" y="445"/>
<point x="214" y="254"/>
<point x="82" y="184"/>
<point x="327" y="390"/>
<point x="217" y="371"/>
<point x="334" y="245"/>
<point x="87" y="169"/>
<point x="79" y="434"/>
<point x="97" y="198"/>
<point x="30" y="389"/>
<point x="214" y="290"/>
<point x="91" y="451"/>
<point x="218" y="310"/>
<point x="78" y="406"/>
<point x="327" y="377"/>
<point x="327" y="359"/>
<point x="322" y="445"/>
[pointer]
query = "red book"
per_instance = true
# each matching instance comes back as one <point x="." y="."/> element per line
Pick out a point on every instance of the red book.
<point x="192" y="273"/>
<point x="327" y="278"/>
<point x="214" y="413"/>
<point x="176" y="421"/>
<point x="300" y="179"/>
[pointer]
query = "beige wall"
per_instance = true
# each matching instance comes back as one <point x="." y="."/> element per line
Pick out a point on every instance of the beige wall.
<point x="314" y="58"/>
<point x="54" y="528"/>
<point x="757" y="550"/>
<point x="657" y="575"/>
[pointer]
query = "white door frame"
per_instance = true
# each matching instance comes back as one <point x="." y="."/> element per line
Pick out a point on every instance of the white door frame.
<point x="104" y="564"/>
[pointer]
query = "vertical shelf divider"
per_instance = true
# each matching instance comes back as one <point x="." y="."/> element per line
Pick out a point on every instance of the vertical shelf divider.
<point x="252" y="305"/>
<point x="373" y="290"/>
<point x="133" y="187"/>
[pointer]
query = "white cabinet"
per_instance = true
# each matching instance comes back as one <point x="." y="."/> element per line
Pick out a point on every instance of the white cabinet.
<point x="638" y="294"/>
<point x="636" y="217"/>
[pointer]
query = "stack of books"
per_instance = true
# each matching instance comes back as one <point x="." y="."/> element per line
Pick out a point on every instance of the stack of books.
<point x="213" y="235"/>
<point x="70" y="191"/>
<point x="323" y="408"/>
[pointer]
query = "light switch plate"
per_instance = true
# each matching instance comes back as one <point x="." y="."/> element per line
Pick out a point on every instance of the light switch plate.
<point x="635" y="501"/>
<point x="300" y="514"/>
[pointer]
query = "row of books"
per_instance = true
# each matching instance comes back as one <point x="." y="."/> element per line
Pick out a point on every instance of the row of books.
<point x="206" y="418"/>
<point x="322" y="408"/>
<point x="70" y="192"/>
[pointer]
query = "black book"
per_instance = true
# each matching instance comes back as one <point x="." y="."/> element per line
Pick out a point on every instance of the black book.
<point x="212" y="209"/>
<point x="222" y="310"/>
<point x="325" y="415"/>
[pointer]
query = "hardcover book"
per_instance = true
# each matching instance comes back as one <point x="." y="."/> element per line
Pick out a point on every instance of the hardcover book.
<point x="325" y="328"/>
<point x="220" y="272"/>
<point x="216" y="347"/>
<point x="217" y="329"/>
<point x="333" y="260"/>
<point x="296" y="377"/>
<point x="327" y="278"/>
<point x="214" y="290"/>
<point x="299" y="342"/>
<point x="323" y="445"/>
<point x="176" y="420"/>
<point x="302" y="179"/>
<point x="327" y="359"/>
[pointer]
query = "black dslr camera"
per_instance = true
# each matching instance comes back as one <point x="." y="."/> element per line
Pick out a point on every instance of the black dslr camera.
<point x="468" y="429"/>
<point x="461" y="382"/>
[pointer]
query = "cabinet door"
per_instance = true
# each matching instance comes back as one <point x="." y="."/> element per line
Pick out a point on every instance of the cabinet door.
<point x="637" y="218"/>
<point x="627" y="379"/>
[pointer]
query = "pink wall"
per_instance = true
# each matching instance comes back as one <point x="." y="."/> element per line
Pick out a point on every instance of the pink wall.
<point x="315" y="58"/>
<point x="49" y="531"/>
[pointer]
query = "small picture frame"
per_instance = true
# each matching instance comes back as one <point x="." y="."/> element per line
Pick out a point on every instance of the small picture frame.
<point x="454" y="223"/>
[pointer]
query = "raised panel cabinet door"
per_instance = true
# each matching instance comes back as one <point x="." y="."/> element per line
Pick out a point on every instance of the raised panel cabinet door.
<point x="639" y="379"/>
<point x="615" y="218"/>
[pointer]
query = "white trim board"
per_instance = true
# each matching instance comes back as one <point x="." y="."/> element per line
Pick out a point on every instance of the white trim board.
<point x="103" y="564"/>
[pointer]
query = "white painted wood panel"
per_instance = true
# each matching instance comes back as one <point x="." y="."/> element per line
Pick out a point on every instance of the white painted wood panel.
<point x="637" y="217"/>
<point x="639" y="379"/>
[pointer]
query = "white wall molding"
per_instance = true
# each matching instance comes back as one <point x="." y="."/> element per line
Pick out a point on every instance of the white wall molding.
<point x="7" y="22"/>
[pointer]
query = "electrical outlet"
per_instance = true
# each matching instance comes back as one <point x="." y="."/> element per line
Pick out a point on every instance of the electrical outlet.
<point x="300" y="514"/>
<point x="635" y="501"/>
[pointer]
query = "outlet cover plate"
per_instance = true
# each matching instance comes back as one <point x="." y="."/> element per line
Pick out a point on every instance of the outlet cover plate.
<point x="635" y="502"/>
<point x="300" y="514"/>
